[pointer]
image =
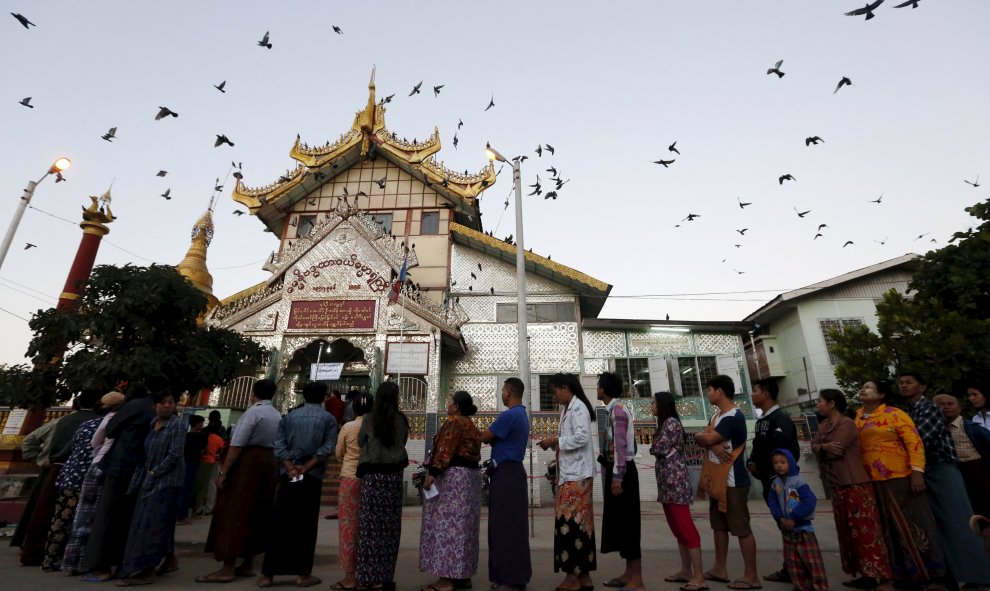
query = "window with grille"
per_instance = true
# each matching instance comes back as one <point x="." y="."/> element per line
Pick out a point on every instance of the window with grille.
<point x="839" y="324"/>
<point x="635" y="374"/>
<point x="430" y="223"/>
<point x="546" y="395"/>
<point x="544" y="312"/>
<point x="694" y="373"/>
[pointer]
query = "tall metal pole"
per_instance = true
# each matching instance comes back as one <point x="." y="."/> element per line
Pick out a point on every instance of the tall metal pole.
<point x="25" y="201"/>
<point x="756" y="358"/>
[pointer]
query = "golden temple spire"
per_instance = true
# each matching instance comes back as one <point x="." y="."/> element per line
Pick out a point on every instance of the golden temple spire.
<point x="193" y="266"/>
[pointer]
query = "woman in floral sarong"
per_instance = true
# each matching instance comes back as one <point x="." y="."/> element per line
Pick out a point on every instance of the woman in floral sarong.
<point x="449" y="540"/>
<point x="574" y="523"/>
<point x="349" y="493"/>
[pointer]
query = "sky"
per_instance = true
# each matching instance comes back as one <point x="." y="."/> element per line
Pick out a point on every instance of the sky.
<point x="609" y="85"/>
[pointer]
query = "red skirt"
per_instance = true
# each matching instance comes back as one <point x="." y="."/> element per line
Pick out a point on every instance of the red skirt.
<point x="857" y="524"/>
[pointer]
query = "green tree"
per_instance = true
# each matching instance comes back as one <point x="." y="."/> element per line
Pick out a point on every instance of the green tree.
<point x="941" y="328"/>
<point x="130" y="323"/>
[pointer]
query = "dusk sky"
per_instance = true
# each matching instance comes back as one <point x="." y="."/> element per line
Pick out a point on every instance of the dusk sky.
<point x="609" y="85"/>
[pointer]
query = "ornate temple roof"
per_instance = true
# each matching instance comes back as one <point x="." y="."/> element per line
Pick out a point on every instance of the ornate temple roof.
<point x="193" y="266"/>
<point x="592" y="292"/>
<point x="316" y="165"/>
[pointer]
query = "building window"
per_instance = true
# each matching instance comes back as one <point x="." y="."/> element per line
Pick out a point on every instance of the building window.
<point x="546" y="395"/>
<point x="548" y="312"/>
<point x="635" y="374"/>
<point x="839" y="324"/>
<point x="430" y="223"/>
<point x="384" y="220"/>
<point x="305" y="225"/>
<point x="695" y="373"/>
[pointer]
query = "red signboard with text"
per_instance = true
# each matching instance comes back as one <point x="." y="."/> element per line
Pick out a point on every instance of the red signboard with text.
<point x="332" y="314"/>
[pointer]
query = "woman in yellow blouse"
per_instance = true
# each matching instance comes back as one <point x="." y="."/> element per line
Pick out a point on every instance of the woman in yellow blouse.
<point x="894" y="457"/>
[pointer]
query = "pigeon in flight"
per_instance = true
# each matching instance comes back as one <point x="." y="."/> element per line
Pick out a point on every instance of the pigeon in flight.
<point x="673" y="148"/>
<point x="415" y="89"/>
<point x="491" y="103"/>
<point x="742" y="205"/>
<point x="389" y="98"/>
<point x="848" y="243"/>
<point x="238" y="212"/>
<point x="743" y="231"/>
<point x="110" y="135"/>
<point x="801" y="214"/>
<point x="813" y="140"/>
<point x="460" y="123"/>
<point x="877" y="200"/>
<point x="436" y="90"/>
<point x="552" y="171"/>
<point x="884" y="241"/>
<point x="664" y="163"/>
<point x="220" y="86"/>
<point x="786" y="177"/>
<point x="264" y="41"/>
<point x="551" y="195"/>
<point x="738" y="271"/>
<point x="539" y="150"/>
<point x="380" y="182"/>
<point x="338" y="30"/>
<point x="165" y="112"/>
<point x="25" y="23"/>
<point x="975" y="183"/>
<point x="217" y="186"/>
<point x="843" y="82"/>
<point x="867" y="10"/>
<point x="166" y="194"/>
<point x="911" y="3"/>
<point x="222" y="139"/>
<point x="550" y="149"/>
<point x="817" y="236"/>
<point x="455" y="141"/>
<point x="690" y="217"/>
<point x="162" y="173"/>
<point x="27" y="102"/>
<point x="822" y="226"/>
<point x="28" y="245"/>
<point x="776" y="69"/>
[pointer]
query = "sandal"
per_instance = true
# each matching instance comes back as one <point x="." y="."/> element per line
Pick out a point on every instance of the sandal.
<point x="675" y="579"/>
<point x="744" y="585"/>
<point x="693" y="587"/>
<point x="309" y="581"/>
<point x="339" y="586"/>
<point x="709" y="576"/>
<point x="214" y="579"/>
<point x="134" y="582"/>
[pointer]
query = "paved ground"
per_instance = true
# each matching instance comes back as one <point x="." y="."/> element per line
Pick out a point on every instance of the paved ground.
<point x="660" y="555"/>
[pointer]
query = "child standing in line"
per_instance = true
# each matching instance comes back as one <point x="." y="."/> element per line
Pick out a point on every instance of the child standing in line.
<point x="792" y="505"/>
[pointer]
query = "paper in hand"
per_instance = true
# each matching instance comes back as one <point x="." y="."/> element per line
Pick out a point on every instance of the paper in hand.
<point x="429" y="493"/>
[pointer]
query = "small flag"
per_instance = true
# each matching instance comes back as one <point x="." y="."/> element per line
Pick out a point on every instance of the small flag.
<point x="394" y="296"/>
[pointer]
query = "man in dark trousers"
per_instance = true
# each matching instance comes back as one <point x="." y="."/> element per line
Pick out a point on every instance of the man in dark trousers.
<point x="774" y="430"/>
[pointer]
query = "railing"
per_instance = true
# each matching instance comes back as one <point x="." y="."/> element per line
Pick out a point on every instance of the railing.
<point x="237" y="394"/>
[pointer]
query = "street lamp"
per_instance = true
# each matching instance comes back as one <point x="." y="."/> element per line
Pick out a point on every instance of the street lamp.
<point x="493" y="155"/>
<point x="56" y="168"/>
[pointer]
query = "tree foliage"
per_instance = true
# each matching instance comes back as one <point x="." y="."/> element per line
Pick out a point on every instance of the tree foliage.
<point x="131" y="323"/>
<point x="941" y="327"/>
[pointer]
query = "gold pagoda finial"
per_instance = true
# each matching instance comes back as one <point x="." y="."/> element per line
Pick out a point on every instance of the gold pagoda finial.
<point x="366" y="119"/>
<point x="193" y="266"/>
<point x="97" y="215"/>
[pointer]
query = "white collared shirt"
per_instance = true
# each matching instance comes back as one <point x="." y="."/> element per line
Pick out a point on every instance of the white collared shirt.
<point x="577" y="447"/>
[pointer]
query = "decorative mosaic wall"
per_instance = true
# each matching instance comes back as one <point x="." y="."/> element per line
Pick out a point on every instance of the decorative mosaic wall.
<point x="492" y="273"/>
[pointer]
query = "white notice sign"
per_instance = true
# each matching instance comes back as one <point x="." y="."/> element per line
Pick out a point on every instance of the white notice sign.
<point x="727" y="364"/>
<point x="325" y="371"/>
<point x="15" y="420"/>
<point x="407" y="358"/>
<point x="659" y="376"/>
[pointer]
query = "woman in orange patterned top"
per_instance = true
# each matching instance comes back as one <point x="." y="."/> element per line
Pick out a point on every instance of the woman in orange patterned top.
<point x="894" y="457"/>
<point x="448" y="545"/>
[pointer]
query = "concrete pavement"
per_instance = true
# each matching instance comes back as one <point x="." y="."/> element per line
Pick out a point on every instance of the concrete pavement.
<point x="660" y="556"/>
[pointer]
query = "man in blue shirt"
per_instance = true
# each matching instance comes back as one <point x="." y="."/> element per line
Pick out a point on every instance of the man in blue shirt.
<point x="509" y="564"/>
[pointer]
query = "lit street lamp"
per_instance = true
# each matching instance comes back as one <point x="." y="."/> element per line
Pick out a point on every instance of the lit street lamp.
<point x="493" y="154"/>
<point x="60" y="165"/>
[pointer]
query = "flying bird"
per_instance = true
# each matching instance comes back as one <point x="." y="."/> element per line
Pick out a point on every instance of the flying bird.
<point x="844" y="81"/>
<point x="165" y="112"/>
<point x="743" y="231"/>
<point x="690" y="217"/>
<point x="801" y="214"/>
<point x="552" y="171"/>
<point x="455" y="141"/>
<point x="867" y="10"/>
<point x="238" y="212"/>
<point x="776" y="69"/>
<point x="110" y="135"/>
<point x="473" y="276"/>
<point x="822" y="226"/>
<point x="920" y="236"/>
<point x="975" y="183"/>
<point x="911" y="3"/>
<point x="162" y="173"/>
<point x="664" y="163"/>
<point x="738" y="271"/>
<point x="264" y="41"/>
<point x="338" y="30"/>
<point x="389" y="98"/>
<point x="813" y="140"/>
<point x="550" y="149"/>
<point x="539" y="150"/>
<point x="222" y="139"/>
<point x="220" y="86"/>
<point x="786" y="177"/>
<point x="817" y="236"/>
<point x="877" y="200"/>
<point x="25" y="23"/>
<point x="848" y="243"/>
<point x="166" y="194"/>
<point x="217" y="186"/>
<point x="479" y="264"/>
<point x="436" y="90"/>
<point x="28" y="245"/>
<point x="551" y="195"/>
<point x="460" y="123"/>
<point x="742" y="205"/>
<point x="491" y="103"/>
<point x="415" y="89"/>
<point x="27" y="102"/>
<point x="673" y="148"/>
<point x="884" y="241"/>
<point x="381" y="182"/>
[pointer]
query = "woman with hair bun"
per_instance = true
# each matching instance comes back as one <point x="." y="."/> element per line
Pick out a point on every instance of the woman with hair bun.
<point x="449" y="541"/>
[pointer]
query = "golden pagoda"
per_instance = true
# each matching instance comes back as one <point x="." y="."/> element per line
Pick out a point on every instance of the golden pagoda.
<point x="193" y="266"/>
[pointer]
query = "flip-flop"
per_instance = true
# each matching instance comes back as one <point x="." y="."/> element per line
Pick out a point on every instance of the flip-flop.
<point x="339" y="587"/>
<point x="134" y="582"/>
<point x="309" y="581"/>
<point x="91" y="578"/>
<point x="693" y="587"/>
<point x="215" y="579"/>
<point x="711" y="577"/>
<point x="675" y="579"/>
<point x="744" y="585"/>
<point x="616" y="582"/>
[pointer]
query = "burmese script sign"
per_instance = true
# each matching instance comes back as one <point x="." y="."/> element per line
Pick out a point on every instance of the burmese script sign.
<point x="410" y="358"/>
<point x="332" y="314"/>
